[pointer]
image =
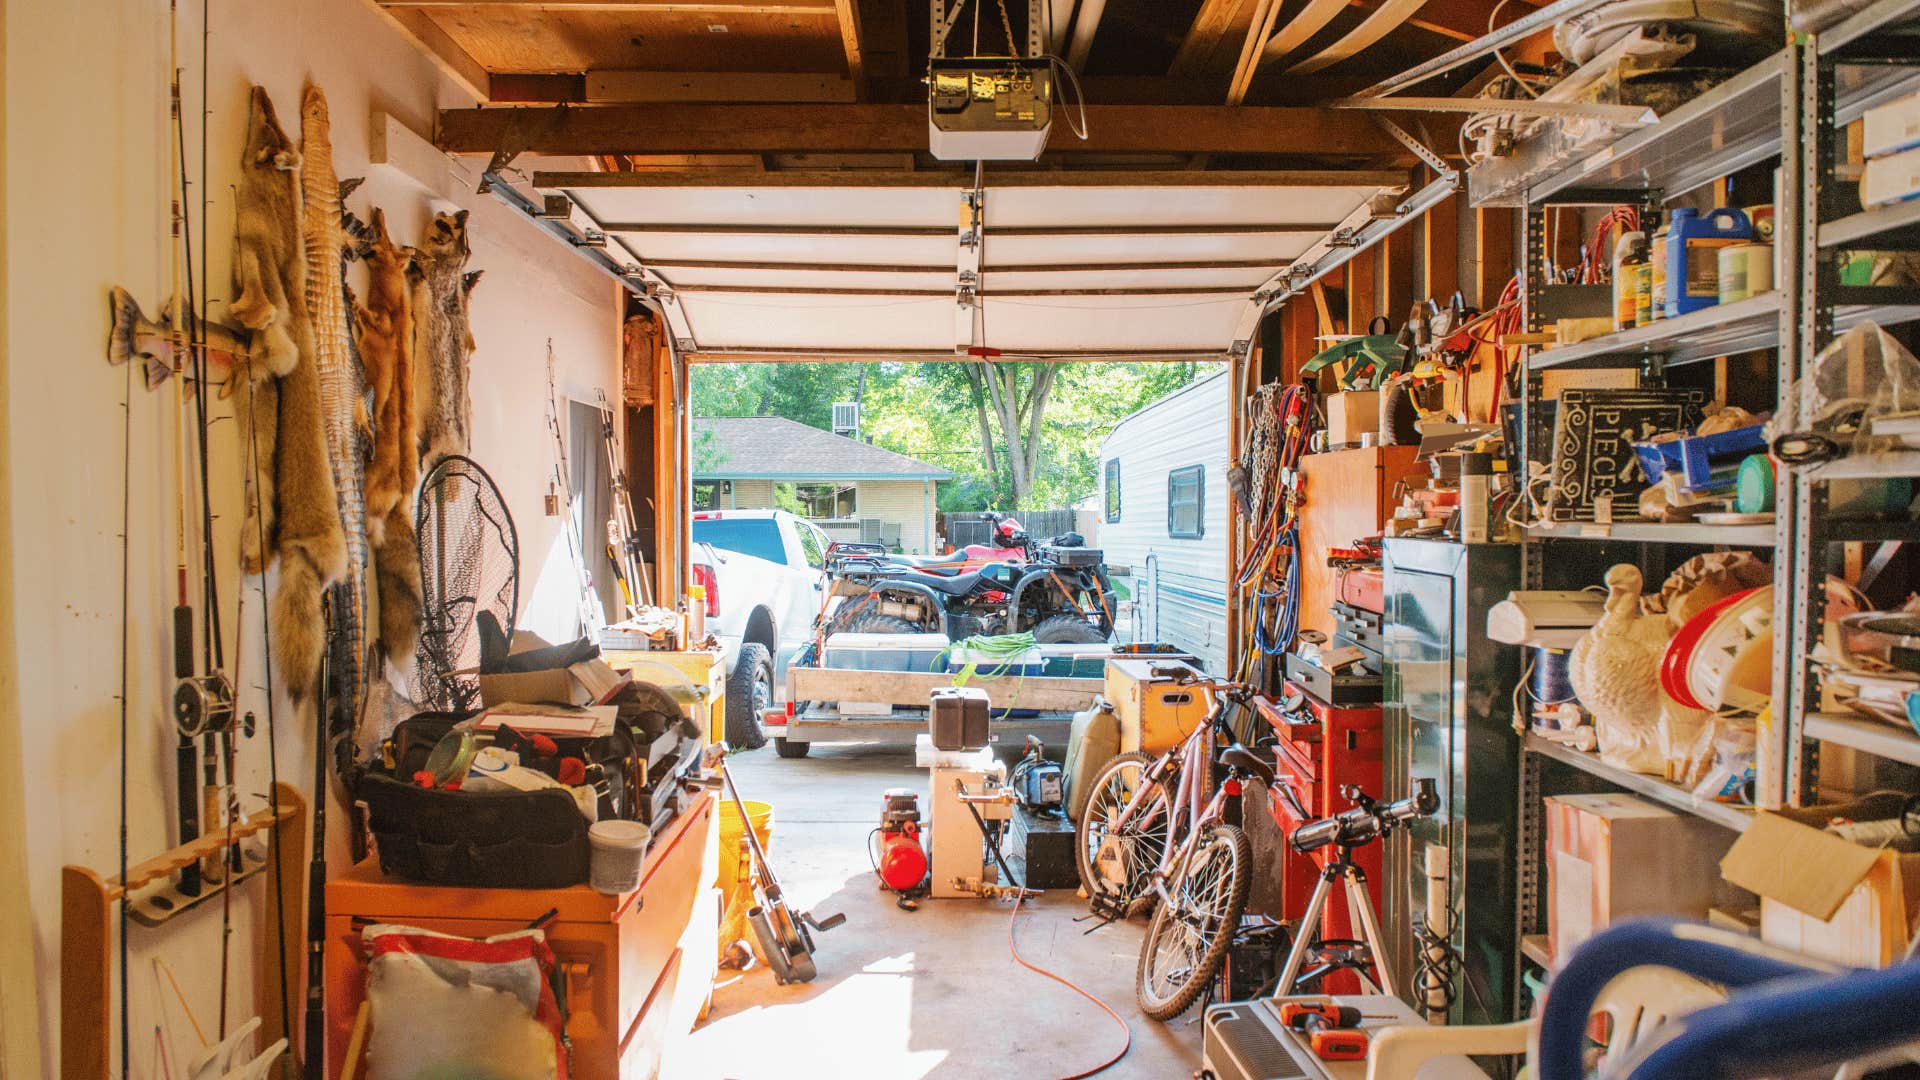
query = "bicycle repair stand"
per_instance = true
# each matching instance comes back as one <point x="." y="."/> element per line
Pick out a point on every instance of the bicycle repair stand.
<point x="1341" y="953"/>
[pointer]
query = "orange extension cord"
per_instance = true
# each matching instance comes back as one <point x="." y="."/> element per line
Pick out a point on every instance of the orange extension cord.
<point x="1126" y="1032"/>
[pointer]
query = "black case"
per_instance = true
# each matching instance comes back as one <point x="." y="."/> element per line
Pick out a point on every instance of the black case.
<point x="524" y="840"/>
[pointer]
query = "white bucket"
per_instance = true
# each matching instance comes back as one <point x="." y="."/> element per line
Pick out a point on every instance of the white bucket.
<point x="619" y="849"/>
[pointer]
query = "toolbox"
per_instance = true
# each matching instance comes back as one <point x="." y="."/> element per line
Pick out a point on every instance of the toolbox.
<point x="1359" y="626"/>
<point x="1345" y="687"/>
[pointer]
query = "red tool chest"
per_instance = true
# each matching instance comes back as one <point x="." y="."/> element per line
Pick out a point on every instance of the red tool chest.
<point x="1321" y="749"/>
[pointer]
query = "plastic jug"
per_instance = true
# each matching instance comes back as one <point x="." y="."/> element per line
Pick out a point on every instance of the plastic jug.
<point x="1694" y="241"/>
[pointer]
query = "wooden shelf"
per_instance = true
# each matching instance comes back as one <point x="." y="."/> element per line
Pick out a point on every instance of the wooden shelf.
<point x="1670" y="795"/>
<point x="1872" y="736"/>
<point x="1534" y="948"/>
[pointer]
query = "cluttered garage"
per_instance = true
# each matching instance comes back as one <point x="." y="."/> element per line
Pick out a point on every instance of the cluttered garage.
<point x="1239" y="539"/>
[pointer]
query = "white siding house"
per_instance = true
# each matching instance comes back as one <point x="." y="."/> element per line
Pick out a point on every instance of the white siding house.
<point x="1164" y="503"/>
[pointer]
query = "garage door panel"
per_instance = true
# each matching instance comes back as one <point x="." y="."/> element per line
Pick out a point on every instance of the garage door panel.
<point x="771" y="278"/>
<point x="769" y="205"/>
<point x="1011" y="250"/>
<point x="1245" y="280"/>
<point x="819" y="322"/>
<point x="704" y="247"/>
<point x="1147" y="323"/>
<point x="1011" y="207"/>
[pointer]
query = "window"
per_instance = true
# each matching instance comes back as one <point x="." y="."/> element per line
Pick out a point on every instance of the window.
<point x="821" y="502"/>
<point x="1187" y="503"/>
<point x="758" y="537"/>
<point x="706" y="494"/>
<point x="810" y="544"/>
<point x="1113" y="490"/>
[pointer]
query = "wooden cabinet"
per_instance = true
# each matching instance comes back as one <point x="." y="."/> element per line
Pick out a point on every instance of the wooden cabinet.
<point x="1349" y="493"/>
<point x="638" y="967"/>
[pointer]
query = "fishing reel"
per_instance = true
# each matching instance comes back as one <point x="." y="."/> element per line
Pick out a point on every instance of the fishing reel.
<point x="203" y="705"/>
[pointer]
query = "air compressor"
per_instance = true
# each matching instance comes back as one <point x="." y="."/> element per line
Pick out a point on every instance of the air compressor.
<point x="898" y="856"/>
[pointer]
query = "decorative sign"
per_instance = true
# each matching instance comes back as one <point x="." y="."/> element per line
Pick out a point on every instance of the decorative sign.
<point x="1593" y="435"/>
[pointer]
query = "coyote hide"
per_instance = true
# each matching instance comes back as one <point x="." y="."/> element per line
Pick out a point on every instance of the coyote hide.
<point x="269" y="279"/>
<point x="384" y="325"/>
<point x="444" y="342"/>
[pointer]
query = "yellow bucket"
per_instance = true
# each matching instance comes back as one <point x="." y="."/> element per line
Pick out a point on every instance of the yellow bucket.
<point x="734" y="859"/>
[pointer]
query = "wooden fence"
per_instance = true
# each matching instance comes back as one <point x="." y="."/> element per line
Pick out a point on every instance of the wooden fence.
<point x="962" y="529"/>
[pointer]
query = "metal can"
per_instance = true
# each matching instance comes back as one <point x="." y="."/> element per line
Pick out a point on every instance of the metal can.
<point x="1745" y="270"/>
<point x="1762" y="218"/>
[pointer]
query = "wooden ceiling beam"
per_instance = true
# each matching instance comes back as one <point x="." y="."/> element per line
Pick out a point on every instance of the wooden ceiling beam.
<point x="1211" y="27"/>
<point x="715" y="7"/>
<point x="718" y="87"/>
<point x="846" y="178"/>
<point x="919" y="232"/>
<point x="847" y="14"/>
<point x="426" y="35"/>
<point x="716" y="129"/>
<point x="940" y="268"/>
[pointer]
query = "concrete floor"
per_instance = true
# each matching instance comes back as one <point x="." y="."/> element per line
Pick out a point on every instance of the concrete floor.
<point x="930" y="993"/>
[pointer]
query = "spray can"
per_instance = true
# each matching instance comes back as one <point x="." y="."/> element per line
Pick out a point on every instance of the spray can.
<point x="1476" y="481"/>
<point x="1629" y="255"/>
<point x="696" y="614"/>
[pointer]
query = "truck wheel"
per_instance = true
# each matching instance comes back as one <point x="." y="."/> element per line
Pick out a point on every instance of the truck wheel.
<point x="749" y="693"/>
<point x="1067" y="630"/>
<point x="876" y="623"/>
<point x="788" y="748"/>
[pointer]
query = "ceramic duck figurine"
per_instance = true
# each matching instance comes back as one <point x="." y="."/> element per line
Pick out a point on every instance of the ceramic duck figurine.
<point x="1615" y="671"/>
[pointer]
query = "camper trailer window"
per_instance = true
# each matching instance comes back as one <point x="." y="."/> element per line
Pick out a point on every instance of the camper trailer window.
<point x="706" y="494"/>
<point x="1187" y="503"/>
<point x="1113" y="490"/>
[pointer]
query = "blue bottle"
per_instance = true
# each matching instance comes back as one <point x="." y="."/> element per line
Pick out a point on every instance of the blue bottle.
<point x="1694" y="241"/>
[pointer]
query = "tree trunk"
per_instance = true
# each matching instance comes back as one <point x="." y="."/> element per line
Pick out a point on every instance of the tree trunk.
<point x="980" y="415"/>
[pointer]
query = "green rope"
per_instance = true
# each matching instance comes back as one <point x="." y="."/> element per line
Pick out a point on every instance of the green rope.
<point x="1003" y="651"/>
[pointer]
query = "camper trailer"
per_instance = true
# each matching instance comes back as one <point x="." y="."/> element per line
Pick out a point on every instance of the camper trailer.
<point x="1164" y="506"/>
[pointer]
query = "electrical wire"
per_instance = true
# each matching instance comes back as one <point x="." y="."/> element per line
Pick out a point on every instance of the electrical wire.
<point x="1497" y="55"/>
<point x="1126" y="1031"/>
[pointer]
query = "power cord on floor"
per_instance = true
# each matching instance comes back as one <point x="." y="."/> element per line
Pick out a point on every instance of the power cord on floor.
<point x="1019" y="896"/>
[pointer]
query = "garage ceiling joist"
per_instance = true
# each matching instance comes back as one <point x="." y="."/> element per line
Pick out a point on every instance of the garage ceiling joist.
<point x="928" y="178"/>
<point x="776" y="129"/>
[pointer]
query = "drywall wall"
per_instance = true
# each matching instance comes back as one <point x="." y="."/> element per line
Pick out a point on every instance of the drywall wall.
<point x="87" y="180"/>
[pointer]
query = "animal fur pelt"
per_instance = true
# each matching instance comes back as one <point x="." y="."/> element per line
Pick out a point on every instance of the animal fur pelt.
<point x="444" y="341"/>
<point x="134" y="336"/>
<point x="342" y="408"/>
<point x="384" y="328"/>
<point x="271" y="276"/>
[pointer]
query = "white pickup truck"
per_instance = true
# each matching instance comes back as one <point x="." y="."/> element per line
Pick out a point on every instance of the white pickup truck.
<point x="763" y="571"/>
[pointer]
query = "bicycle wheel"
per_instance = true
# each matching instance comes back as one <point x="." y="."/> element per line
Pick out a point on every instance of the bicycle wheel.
<point x="1188" y="938"/>
<point x="1142" y="841"/>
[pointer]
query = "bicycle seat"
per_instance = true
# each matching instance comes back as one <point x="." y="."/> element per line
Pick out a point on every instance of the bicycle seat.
<point x="1239" y="757"/>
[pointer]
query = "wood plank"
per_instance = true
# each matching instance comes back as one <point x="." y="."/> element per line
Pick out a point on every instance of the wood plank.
<point x="1363" y="290"/>
<point x="283" y="953"/>
<point x="1037" y="178"/>
<point x="1440" y="247"/>
<point x="1347" y="495"/>
<point x="1211" y="27"/>
<point x="86" y="975"/>
<point x="708" y="129"/>
<point x="714" y="7"/>
<point x="847" y="13"/>
<point x="429" y="37"/>
<point x="915" y="687"/>
<point x="627" y="87"/>
<point x="1492" y="254"/>
<point x="1396" y="274"/>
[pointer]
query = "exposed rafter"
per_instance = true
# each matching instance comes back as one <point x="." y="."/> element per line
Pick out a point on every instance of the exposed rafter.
<point x="719" y="129"/>
<point x="704" y="178"/>
<point x="426" y="35"/>
<point x="1211" y="27"/>
<point x="847" y="13"/>
<point x="717" y="7"/>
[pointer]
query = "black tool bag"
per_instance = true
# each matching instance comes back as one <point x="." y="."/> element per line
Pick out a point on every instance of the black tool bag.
<point x="526" y="840"/>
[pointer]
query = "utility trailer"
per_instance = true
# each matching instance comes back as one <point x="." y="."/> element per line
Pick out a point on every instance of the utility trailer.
<point x="887" y="702"/>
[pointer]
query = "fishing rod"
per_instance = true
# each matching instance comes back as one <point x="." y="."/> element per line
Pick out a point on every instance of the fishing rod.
<point x="313" y="1043"/>
<point x="623" y="537"/>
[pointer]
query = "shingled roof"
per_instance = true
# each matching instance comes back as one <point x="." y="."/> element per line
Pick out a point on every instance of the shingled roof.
<point x="775" y="448"/>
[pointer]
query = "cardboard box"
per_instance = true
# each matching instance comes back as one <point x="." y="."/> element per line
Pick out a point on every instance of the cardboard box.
<point x="1891" y="128"/>
<point x="1350" y="414"/>
<point x="584" y="683"/>
<point x="1891" y="179"/>
<point x="1612" y="857"/>
<point x="1825" y="896"/>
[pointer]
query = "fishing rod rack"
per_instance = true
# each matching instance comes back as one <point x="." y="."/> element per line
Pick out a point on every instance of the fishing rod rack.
<point x="151" y="892"/>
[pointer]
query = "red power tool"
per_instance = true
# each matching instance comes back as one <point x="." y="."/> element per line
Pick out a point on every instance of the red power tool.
<point x="1333" y="1031"/>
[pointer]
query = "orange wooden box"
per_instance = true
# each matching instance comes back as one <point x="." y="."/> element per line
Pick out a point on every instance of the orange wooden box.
<point x="638" y="967"/>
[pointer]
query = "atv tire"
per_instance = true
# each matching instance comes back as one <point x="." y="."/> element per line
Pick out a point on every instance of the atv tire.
<point x="1067" y="630"/>
<point x="875" y="623"/>
<point x="749" y="692"/>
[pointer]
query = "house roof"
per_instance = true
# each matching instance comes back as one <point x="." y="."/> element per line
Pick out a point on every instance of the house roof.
<point x="776" y="448"/>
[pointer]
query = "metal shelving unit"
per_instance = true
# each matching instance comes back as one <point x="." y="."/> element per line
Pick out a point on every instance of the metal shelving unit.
<point x="1860" y="733"/>
<point x="1648" y="532"/>
<point x="1672" y="796"/>
<point x="1753" y="323"/>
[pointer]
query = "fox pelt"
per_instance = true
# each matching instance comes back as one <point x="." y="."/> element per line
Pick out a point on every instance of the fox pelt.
<point x="443" y="340"/>
<point x="282" y="403"/>
<point x="384" y="327"/>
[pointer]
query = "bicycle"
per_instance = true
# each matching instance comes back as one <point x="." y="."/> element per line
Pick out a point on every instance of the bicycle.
<point x="1158" y="835"/>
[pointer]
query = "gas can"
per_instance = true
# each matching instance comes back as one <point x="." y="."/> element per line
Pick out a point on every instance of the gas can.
<point x="1693" y="255"/>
